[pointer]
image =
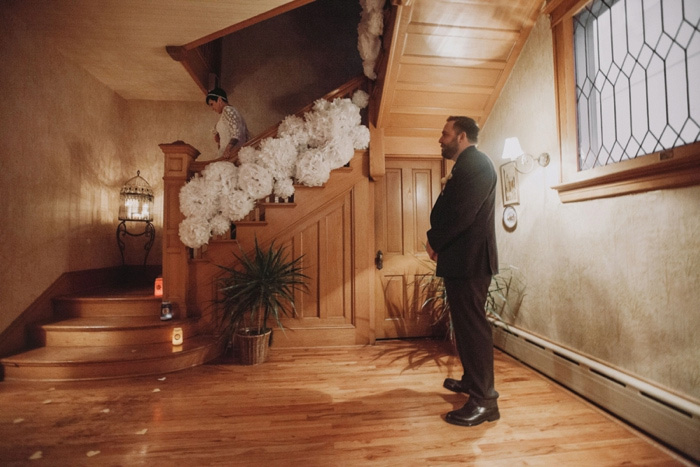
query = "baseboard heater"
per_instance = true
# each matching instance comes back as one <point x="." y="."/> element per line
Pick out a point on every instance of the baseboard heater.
<point x="671" y="419"/>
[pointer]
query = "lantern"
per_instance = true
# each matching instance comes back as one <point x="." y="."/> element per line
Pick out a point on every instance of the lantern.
<point x="136" y="205"/>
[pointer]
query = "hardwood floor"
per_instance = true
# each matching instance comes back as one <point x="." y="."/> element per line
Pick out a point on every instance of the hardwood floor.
<point x="374" y="405"/>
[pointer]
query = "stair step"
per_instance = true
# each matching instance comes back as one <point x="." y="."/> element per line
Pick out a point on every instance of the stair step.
<point x="84" y="363"/>
<point x="112" y="331"/>
<point x="109" y="302"/>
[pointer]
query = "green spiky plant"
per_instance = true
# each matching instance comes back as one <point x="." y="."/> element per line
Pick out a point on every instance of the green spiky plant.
<point x="503" y="300"/>
<point x="259" y="287"/>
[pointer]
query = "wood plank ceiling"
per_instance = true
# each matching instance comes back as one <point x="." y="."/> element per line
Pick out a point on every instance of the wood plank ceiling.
<point x="450" y="57"/>
<point x="447" y="57"/>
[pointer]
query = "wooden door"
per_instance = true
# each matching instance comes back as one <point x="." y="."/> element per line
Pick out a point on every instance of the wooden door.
<point x="404" y="198"/>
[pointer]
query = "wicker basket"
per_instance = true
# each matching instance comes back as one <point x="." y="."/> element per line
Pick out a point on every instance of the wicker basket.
<point x="250" y="347"/>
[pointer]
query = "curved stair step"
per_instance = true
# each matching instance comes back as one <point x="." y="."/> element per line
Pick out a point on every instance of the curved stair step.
<point x="112" y="331"/>
<point x="85" y="363"/>
<point x="115" y="304"/>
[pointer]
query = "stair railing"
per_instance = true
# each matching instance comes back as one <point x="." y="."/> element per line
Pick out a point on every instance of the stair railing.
<point x="179" y="166"/>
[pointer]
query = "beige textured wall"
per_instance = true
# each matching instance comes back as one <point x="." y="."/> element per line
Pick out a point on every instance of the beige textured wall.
<point x="67" y="145"/>
<point x="613" y="278"/>
<point x="278" y="66"/>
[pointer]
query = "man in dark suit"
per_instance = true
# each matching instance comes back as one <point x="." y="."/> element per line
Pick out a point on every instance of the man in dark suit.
<point x="462" y="239"/>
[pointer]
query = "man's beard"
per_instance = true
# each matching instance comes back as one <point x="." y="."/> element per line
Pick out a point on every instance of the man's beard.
<point x="450" y="150"/>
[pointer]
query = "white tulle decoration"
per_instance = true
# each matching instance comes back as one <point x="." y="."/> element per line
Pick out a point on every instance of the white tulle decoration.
<point x="294" y="127"/>
<point x="254" y="181"/>
<point x="368" y="31"/>
<point x="321" y="105"/>
<point x="344" y="112"/>
<point x="360" y="98"/>
<point x="304" y="151"/>
<point x="198" y="199"/>
<point x="249" y="155"/>
<point x="321" y="128"/>
<point x="312" y="168"/>
<point x="194" y="231"/>
<point x="374" y="21"/>
<point x="369" y="47"/>
<point x="278" y="156"/>
<point x="339" y="152"/>
<point x="219" y="224"/>
<point x="372" y="5"/>
<point x="284" y="188"/>
<point x="360" y="137"/>
<point x="236" y="205"/>
<point x="222" y="177"/>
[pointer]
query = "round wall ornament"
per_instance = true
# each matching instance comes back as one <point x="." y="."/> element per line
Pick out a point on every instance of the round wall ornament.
<point x="510" y="218"/>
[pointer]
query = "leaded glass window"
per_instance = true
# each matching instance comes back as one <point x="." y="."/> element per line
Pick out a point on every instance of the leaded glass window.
<point x="637" y="69"/>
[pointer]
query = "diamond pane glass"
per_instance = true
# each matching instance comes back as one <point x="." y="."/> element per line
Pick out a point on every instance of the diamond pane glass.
<point x="636" y="64"/>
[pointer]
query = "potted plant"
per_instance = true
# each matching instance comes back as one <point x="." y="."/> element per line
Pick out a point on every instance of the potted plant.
<point x="503" y="299"/>
<point x="258" y="287"/>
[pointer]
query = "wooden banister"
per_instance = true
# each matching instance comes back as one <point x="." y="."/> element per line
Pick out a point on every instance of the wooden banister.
<point x="180" y="165"/>
<point x="178" y="158"/>
<point x="346" y="90"/>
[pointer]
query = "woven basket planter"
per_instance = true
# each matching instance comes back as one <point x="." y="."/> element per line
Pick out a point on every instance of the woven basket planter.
<point x="251" y="348"/>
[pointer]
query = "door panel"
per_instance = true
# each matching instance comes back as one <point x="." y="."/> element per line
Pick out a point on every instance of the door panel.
<point x="404" y="198"/>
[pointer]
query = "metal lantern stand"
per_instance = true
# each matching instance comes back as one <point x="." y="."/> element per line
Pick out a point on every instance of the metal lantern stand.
<point x="136" y="205"/>
<point x="149" y="232"/>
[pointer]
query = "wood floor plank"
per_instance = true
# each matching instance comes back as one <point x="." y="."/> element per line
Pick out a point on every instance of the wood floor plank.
<point x="373" y="405"/>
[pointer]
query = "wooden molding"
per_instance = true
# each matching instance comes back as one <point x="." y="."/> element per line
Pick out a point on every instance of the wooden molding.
<point x="176" y="52"/>
<point x="669" y="169"/>
<point x="672" y="168"/>
<point x="377" y="165"/>
<point x="249" y="22"/>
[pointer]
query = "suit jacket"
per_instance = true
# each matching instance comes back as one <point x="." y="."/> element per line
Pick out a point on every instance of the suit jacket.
<point x="462" y="222"/>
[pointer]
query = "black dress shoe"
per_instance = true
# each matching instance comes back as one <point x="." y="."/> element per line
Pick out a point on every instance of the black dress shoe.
<point x="472" y="414"/>
<point x="455" y="385"/>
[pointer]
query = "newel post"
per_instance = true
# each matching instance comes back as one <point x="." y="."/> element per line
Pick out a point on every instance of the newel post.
<point x="178" y="157"/>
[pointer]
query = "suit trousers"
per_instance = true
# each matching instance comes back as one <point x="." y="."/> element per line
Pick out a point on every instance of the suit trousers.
<point x="473" y="335"/>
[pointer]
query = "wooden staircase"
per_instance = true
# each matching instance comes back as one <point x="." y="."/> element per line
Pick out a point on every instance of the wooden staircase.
<point x="110" y="333"/>
<point x="117" y="332"/>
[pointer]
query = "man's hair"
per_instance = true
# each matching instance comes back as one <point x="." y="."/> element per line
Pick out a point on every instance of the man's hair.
<point x="466" y="125"/>
<point x="215" y="94"/>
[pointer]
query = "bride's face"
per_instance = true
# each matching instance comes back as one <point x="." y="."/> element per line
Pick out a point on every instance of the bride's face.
<point x="218" y="105"/>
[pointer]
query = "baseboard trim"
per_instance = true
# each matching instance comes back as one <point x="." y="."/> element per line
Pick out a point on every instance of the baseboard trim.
<point x="671" y="419"/>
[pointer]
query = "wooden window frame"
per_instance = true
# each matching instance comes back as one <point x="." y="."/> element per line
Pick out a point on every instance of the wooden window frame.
<point x="671" y="168"/>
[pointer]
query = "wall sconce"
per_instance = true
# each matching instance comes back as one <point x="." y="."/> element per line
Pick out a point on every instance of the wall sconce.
<point x="524" y="162"/>
<point x="136" y="205"/>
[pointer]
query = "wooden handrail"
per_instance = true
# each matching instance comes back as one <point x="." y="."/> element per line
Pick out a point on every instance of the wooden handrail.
<point x="345" y="90"/>
<point x="180" y="164"/>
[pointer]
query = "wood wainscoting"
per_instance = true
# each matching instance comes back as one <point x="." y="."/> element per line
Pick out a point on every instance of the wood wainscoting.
<point x="332" y="229"/>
